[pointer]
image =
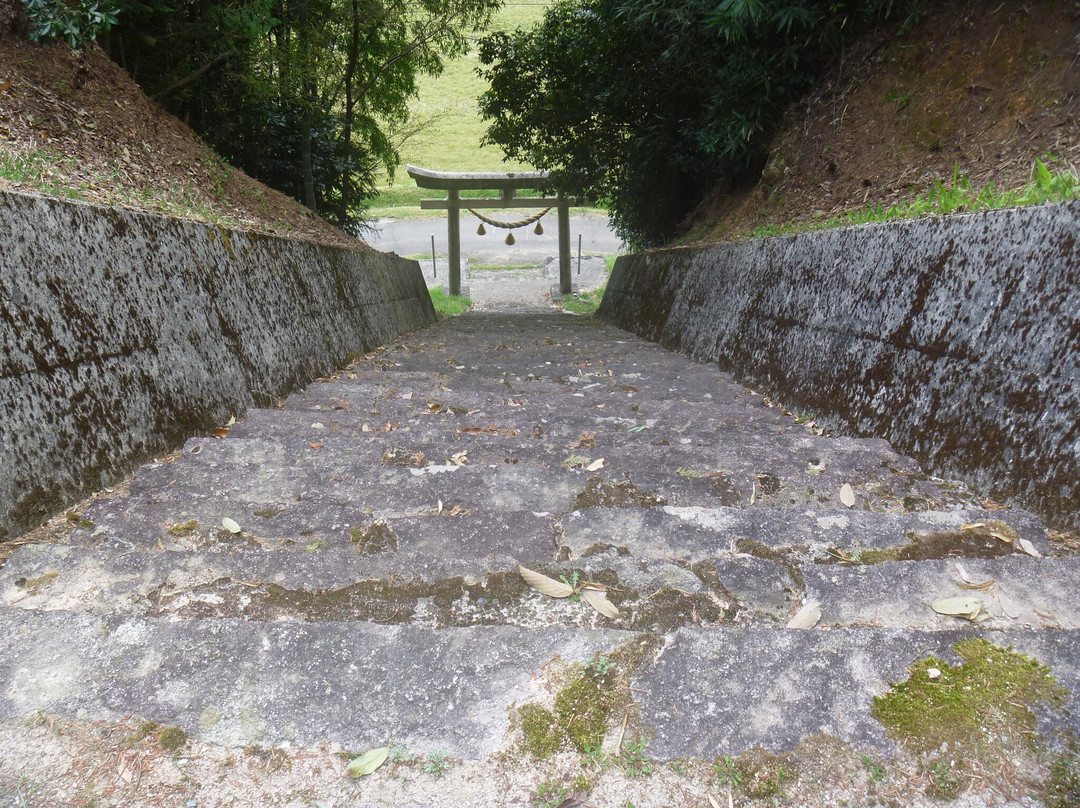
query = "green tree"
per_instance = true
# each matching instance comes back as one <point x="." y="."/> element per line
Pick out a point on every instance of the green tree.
<point x="647" y="104"/>
<point x="305" y="95"/>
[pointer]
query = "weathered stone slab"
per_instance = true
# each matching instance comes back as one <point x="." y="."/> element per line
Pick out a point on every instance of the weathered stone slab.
<point x="1026" y="593"/>
<point x="721" y="691"/>
<point x="697" y="533"/>
<point x="241" y="683"/>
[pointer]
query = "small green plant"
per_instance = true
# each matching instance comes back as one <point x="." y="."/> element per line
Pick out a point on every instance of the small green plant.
<point x="945" y="784"/>
<point x="875" y="771"/>
<point x="633" y="759"/>
<point x="548" y="795"/>
<point x="572" y="582"/>
<point x="449" y="305"/>
<point x="437" y="764"/>
<point x="77" y="22"/>
<point x="726" y="772"/>
<point x="600" y="665"/>
<point x="902" y="100"/>
<point x="594" y="758"/>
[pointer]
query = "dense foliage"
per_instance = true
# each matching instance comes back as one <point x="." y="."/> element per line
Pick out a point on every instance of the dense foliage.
<point x="77" y="22"/>
<point x="647" y="104"/>
<point x="308" y="96"/>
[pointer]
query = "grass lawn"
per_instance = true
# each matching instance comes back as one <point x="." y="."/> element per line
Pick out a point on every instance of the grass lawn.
<point x="452" y="129"/>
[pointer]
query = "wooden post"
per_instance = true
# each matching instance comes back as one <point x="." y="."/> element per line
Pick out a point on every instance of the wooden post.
<point x="564" y="246"/>
<point x="453" y="225"/>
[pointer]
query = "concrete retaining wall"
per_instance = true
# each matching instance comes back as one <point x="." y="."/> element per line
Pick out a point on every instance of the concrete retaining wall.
<point x="123" y="333"/>
<point x="955" y="338"/>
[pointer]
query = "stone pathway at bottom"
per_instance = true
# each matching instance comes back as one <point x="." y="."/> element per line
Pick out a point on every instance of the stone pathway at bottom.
<point x="240" y="620"/>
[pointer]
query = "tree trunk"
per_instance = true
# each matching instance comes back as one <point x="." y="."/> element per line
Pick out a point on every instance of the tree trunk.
<point x="307" y="176"/>
<point x="350" y="104"/>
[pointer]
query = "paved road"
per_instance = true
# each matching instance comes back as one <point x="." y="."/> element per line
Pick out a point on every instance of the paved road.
<point x="413" y="238"/>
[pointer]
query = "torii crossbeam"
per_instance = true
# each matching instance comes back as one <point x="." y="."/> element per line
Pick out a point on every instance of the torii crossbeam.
<point x="454" y="182"/>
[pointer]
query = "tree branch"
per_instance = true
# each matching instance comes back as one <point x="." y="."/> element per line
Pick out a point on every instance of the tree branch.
<point x="195" y="77"/>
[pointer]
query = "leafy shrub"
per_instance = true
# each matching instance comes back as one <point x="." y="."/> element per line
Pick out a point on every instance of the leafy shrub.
<point x="646" y="104"/>
<point x="77" y="22"/>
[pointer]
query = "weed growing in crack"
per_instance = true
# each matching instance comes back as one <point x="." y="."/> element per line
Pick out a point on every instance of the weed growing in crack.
<point x="548" y="795"/>
<point x="437" y="764"/>
<point x="726" y="772"/>
<point x="633" y="759"/>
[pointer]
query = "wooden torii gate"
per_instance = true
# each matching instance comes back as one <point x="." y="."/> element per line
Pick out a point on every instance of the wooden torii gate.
<point x="454" y="182"/>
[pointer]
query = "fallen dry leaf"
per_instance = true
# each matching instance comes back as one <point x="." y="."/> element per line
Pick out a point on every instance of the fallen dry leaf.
<point x="847" y="495"/>
<point x="1029" y="548"/>
<point x="807" y="617"/>
<point x="595" y="597"/>
<point x="964" y="579"/>
<point x="544" y="585"/>
<point x="966" y="607"/>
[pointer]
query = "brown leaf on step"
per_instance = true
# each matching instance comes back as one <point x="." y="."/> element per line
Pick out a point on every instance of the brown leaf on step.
<point x="807" y="617"/>
<point x="586" y="440"/>
<point x="544" y="585"/>
<point x="596" y="598"/>
<point x="220" y="432"/>
<point x="965" y="607"/>
<point x="964" y="579"/>
<point x="1029" y="548"/>
<point x="316" y="445"/>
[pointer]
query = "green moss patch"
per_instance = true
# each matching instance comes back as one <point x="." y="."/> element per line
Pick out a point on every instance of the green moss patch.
<point x="990" y="540"/>
<point x="34" y="585"/>
<point x="541" y="731"/>
<point x="171" y="738"/>
<point x="378" y="537"/>
<point x="624" y="494"/>
<point x="762" y="774"/>
<point x="582" y="708"/>
<point x="183" y="529"/>
<point x="972" y="705"/>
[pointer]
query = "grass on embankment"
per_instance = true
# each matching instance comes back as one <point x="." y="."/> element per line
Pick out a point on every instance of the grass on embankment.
<point x="1045" y="185"/>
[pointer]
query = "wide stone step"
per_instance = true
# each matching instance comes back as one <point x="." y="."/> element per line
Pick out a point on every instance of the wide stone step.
<point x="410" y="579"/>
<point x="240" y="683"/>
<point x="713" y="690"/>
<point x="821" y="536"/>
<point x="709" y="691"/>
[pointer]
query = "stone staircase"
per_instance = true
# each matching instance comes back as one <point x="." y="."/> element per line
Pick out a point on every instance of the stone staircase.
<point x="372" y="597"/>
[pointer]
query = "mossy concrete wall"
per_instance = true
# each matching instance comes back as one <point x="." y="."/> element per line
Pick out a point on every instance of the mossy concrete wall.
<point x="955" y="338"/>
<point x="123" y="333"/>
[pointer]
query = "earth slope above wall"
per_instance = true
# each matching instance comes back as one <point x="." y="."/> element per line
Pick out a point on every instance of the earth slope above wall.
<point x="955" y="338"/>
<point x="122" y="333"/>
